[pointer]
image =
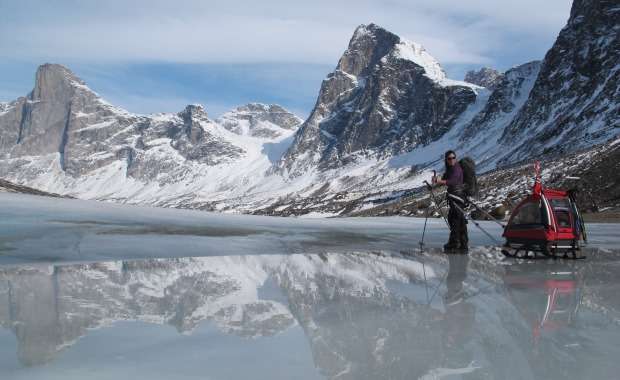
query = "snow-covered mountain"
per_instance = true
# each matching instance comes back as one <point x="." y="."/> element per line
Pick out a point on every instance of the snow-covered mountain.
<point x="63" y="137"/>
<point x="386" y="96"/>
<point x="260" y="120"/>
<point x="485" y="77"/>
<point x="480" y="137"/>
<point x="575" y="100"/>
<point x="382" y="120"/>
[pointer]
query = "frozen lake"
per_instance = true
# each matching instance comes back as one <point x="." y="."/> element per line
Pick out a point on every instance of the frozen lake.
<point x="102" y="291"/>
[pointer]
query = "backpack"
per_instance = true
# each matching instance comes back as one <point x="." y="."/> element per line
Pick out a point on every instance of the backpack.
<point x="470" y="182"/>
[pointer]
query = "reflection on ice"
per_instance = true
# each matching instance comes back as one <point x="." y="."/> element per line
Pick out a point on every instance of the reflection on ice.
<point x="363" y="315"/>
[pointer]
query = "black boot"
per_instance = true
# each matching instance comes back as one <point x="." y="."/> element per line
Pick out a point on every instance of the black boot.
<point x="464" y="240"/>
<point x="451" y="246"/>
<point x="453" y="241"/>
<point x="463" y="248"/>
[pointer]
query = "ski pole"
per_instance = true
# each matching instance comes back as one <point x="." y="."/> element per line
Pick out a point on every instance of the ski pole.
<point x="475" y="223"/>
<point x="437" y="206"/>
<point x="425" y="222"/>
<point x="430" y="188"/>
<point x="477" y="208"/>
<point x="421" y="243"/>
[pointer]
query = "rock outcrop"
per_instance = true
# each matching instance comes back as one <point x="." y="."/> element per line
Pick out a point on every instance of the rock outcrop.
<point x="260" y="120"/>
<point x="575" y="100"/>
<point x="386" y="96"/>
<point x="485" y="77"/>
<point x="64" y="138"/>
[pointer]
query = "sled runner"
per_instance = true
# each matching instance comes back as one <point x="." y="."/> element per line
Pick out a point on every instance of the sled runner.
<point x="546" y="222"/>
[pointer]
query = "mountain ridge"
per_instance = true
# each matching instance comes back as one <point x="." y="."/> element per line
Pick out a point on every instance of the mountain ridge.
<point x="382" y="120"/>
<point x="384" y="103"/>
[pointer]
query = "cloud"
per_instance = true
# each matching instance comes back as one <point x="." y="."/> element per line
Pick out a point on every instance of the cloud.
<point x="158" y="55"/>
<point x="268" y="31"/>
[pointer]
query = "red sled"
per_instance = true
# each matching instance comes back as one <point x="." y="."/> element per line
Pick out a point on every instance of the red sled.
<point x="547" y="221"/>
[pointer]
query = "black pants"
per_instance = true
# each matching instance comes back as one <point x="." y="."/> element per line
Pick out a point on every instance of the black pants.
<point x="458" y="225"/>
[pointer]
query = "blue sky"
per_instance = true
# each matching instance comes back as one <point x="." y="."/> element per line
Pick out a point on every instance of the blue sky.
<point x="157" y="56"/>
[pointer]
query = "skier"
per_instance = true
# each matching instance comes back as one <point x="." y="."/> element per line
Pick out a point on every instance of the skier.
<point x="453" y="178"/>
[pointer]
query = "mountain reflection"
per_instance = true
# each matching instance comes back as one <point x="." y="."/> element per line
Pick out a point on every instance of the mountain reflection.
<point x="365" y="315"/>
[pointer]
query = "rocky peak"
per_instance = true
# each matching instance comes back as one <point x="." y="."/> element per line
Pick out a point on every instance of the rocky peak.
<point x="260" y="120"/>
<point x="368" y="45"/>
<point x="485" y="77"/>
<point x="57" y="69"/>
<point x="193" y="111"/>
<point x="40" y="123"/>
<point x="60" y="115"/>
<point x="386" y="96"/>
<point x="55" y="82"/>
<point x="192" y="116"/>
<point x="256" y="108"/>
<point x="372" y="44"/>
<point x="416" y="53"/>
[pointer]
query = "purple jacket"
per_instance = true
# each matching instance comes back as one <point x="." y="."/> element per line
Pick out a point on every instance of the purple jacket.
<point x="454" y="179"/>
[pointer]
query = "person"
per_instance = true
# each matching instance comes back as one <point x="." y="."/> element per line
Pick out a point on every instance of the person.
<point x="453" y="178"/>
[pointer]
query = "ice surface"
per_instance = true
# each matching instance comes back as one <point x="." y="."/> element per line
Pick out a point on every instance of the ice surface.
<point x="37" y="228"/>
<point x="95" y="290"/>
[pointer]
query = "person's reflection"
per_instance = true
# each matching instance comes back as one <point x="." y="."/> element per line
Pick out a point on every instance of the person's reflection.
<point x="458" y="320"/>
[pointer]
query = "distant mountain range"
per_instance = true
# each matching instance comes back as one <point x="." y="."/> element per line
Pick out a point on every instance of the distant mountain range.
<point x="382" y="120"/>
